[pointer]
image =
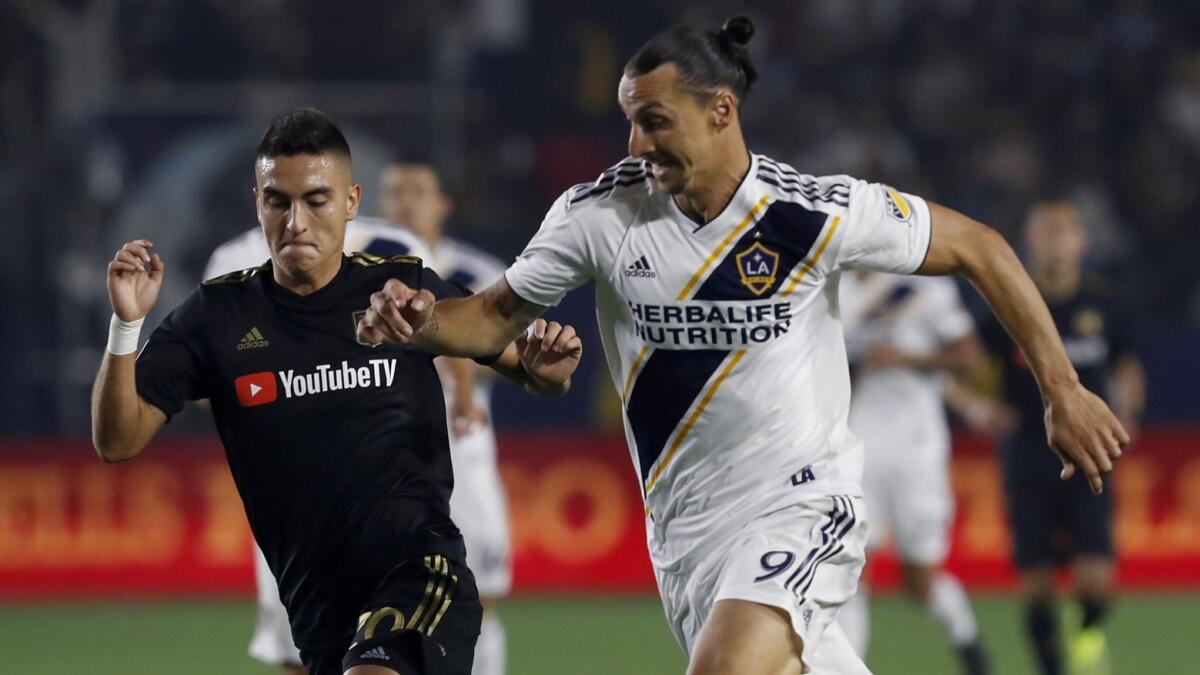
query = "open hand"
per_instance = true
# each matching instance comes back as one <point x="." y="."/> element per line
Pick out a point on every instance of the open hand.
<point x="1084" y="434"/>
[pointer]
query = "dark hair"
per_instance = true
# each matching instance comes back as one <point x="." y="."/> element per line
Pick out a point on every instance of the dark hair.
<point x="303" y="131"/>
<point x="708" y="60"/>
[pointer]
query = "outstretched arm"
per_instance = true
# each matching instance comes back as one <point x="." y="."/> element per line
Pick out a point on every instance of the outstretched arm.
<point x="1079" y="426"/>
<point x="475" y="326"/>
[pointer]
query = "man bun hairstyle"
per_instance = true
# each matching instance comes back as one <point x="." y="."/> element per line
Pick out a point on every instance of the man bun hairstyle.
<point x="708" y="60"/>
<point x="303" y="131"/>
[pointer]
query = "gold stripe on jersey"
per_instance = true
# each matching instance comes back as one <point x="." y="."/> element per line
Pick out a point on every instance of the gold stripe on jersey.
<point x="633" y="371"/>
<point x="716" y="254"/>
<point x="730" y="364"/>
<point x="235" y="277"/>
<point x="798" y="276"/>
<point x="369" y="260"/>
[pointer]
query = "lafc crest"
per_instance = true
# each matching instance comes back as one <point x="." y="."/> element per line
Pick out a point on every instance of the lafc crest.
<point x="758" y="267"/>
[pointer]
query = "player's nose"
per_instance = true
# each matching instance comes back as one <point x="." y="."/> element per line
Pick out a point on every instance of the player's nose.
<point x="640" y="144"/>
<point x="297" y="222"/>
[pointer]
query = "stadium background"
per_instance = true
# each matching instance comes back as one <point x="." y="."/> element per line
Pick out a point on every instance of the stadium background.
<point x="139" y="118"/>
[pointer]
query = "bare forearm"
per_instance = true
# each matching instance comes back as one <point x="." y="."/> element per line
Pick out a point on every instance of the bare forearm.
<point x="465" y="327"/>
<point x="481" y="325"/>
<point x="122" y="424"/>
<point x="985" y="258"/>
<point x="1019" y="306"/>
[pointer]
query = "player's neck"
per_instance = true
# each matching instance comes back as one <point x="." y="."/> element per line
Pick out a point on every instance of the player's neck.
<point x="1057" y="282"/>
<point x="711" y="191"/>
<point x="305" y="283"/>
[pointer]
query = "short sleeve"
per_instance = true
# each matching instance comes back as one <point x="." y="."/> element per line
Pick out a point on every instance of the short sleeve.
<point x="555" y="261"/>
<point x="170" y="367"/>
<point x="885" y="230"/>
<point x="947" y="314"/>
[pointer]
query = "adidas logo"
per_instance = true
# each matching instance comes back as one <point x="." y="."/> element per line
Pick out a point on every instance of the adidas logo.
<point x="253" y="340"/>
<point x="640" y="268"/>
<point x="376" y="653"/>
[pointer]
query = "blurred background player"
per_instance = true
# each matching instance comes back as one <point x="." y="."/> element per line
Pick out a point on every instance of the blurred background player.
<point x="272" y="640"/>
<point x="412" y="194"/>
<point x="903" y="334"/>
<point x="1055" y="522"/>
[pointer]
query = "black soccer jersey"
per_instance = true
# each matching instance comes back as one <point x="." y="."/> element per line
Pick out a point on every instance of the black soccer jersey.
<point x="1095" y="334"/>
<point x="339" y="450"/>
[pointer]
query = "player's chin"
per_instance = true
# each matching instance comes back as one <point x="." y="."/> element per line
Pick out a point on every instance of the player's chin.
<point x="670" y="181"/>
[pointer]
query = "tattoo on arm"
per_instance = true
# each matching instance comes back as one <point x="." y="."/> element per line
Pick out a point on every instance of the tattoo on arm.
<point x="516" y="310"/>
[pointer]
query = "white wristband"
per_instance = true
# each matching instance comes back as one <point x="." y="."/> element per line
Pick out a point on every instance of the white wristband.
<point x="123" y="335"/>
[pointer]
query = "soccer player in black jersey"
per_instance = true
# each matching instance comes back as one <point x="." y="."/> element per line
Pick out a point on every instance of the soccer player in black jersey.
<point x="338" y="449"/>
<point x="1056" y="522"/>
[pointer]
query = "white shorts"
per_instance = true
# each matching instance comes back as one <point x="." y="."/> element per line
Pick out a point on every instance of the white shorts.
<point x="480" y="510"/>
<point x="272" y="641"/>
<point x="909" y="497"/>
<point x="804" y="559"/>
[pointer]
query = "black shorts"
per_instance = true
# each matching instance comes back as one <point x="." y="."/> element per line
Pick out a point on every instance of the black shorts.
<point x="422" y="619"/>
<point x="1053" y="521"/>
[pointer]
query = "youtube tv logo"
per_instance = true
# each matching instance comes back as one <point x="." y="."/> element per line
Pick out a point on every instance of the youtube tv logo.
<point x="256" y="389"/>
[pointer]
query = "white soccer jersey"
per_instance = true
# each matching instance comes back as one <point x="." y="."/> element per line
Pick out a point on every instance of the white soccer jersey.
<point x="724" y="339"/>
<point x="371" y="235"/>
<point x="916" y="316"/>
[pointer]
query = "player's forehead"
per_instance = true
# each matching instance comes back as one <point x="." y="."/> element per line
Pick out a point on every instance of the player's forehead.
<point x="658" y="89"/>
<point x="300" y="173"/>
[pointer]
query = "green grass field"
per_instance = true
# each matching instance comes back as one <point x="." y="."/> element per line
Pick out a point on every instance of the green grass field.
<point x="1148" y="634"/>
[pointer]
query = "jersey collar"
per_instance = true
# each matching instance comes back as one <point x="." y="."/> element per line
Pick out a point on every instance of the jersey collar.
<point x="319" y="300"/>
<point x="743" y="199"/>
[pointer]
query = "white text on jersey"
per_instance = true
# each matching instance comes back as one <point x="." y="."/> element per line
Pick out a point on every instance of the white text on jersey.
<point x="707" y="325"/>
<point x="378" y="373"/>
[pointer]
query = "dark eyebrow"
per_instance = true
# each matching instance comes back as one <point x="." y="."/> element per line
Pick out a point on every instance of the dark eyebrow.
<point x="324" y="190"/>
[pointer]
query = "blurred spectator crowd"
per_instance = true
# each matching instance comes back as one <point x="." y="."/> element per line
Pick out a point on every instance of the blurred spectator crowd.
<point x="985" y="105"/>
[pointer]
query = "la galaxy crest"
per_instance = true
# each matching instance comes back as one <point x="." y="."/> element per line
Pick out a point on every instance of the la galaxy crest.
<point x="758" y="267"/>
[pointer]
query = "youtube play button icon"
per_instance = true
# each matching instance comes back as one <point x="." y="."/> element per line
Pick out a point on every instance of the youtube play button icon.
<point x="256" y="389"/>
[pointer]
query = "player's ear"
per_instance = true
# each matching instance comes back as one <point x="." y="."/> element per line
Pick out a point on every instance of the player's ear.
<point x="722" y="109"/>
<point x="447" y="205"/>
<point x="353" y="197"/>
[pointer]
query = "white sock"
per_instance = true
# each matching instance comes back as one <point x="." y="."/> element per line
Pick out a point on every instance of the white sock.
<point x="855" y="619"/>
<point x="948" y="604"/>
<point x="491" y="652"/>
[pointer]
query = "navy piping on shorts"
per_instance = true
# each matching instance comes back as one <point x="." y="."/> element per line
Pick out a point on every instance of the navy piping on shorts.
<point x="841" y="519"/>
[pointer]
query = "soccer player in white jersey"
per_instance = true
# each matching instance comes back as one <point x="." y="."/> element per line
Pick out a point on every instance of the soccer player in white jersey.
<point x="904" y="334"/>
<point x="411" y="193"/>
<point x="716" y="275"/>
<point x="272" y="640"/>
